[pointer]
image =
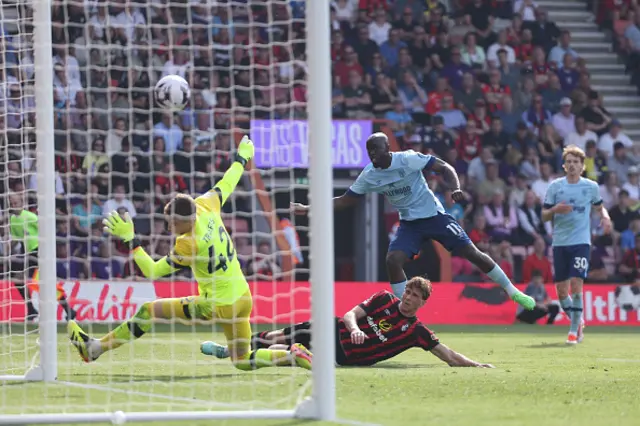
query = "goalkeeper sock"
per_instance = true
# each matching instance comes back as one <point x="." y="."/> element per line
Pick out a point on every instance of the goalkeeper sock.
<point x="134" y="328"/>
<point x="398" y="288"/>
<point x="576" y="313"/>
<point x="261" y="358"/>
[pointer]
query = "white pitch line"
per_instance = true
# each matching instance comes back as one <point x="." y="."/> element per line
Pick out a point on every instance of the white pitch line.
<point x="620" y="360"/>
<point x="355" y="423"/>
<point x="137" y="393"/>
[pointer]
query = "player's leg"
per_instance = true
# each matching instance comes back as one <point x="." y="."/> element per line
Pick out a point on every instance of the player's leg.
<point x="446" y="230"/>
<point x="531" y="317"/>
<point x="237" y="329"/>
<point x="577" y="319"/>
<point x="553" y="310"/>
<point x="61" y="295"/>
<point x="184" y="308"/>
<point x="579" y="267"/>
<point x="283" y="338"/>
<point x="19" y="276"/>
<point x="561" y="267"/>
<point x="404" y="246"/>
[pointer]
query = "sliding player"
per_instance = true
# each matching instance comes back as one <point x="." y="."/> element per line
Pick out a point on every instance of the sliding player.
<point x="23" y="227"/>
<point x="568" y="204"/>
<point x="399" y="177"/>
<point x="377" y="329"/>
<point x="204" y="245"/>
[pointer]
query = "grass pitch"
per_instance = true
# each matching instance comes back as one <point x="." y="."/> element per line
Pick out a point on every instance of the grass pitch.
<point x="537" y="380"/>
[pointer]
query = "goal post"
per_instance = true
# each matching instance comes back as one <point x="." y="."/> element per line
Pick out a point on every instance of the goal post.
<point x="110" y="390"/>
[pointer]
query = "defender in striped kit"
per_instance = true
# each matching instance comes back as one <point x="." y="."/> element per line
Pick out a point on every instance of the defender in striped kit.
<point x="377" y="329"/>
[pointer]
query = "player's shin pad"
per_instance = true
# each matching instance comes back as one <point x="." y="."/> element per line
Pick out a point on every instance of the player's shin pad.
<point x="134" y="328"/>
<point x="261" y="358"/>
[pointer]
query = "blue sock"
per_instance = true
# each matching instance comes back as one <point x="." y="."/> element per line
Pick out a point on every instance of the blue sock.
<point x="576" y="314"/>
<point x="398" y="288"/>
<point x="498" y="276"/>
<point x="567" y="306"/>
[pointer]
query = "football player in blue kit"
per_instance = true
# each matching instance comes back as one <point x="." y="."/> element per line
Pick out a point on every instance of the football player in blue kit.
<point x="568" y="204"/>
<point x="398" y="175"/>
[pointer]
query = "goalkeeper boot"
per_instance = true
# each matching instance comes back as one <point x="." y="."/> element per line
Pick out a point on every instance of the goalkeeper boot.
<point x="213" y="349"/>
<point x="302" y="355"/>
<point x="87" y="347"/>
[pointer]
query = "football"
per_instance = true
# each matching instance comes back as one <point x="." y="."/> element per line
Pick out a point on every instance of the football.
<point x="172" y="92"/>
<point x="628" y="297"/>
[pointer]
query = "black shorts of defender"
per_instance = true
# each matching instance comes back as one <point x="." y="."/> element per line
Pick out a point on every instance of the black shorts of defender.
<point x="571" y="262"/>
<point x="299" y="333"/>
<point x="24" y="265"/>
<point x="442" y="228"/>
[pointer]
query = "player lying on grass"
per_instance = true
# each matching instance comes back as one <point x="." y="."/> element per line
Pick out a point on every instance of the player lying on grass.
<point x="568" y="204"/>
<point x="399" y="177"/>
<point x="379" y="328"/>
<point x="202" y="244"/>
<point x="23" y="228"/>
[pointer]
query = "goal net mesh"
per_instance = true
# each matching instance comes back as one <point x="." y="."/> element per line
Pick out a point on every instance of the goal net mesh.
<point x="116" y="150"/>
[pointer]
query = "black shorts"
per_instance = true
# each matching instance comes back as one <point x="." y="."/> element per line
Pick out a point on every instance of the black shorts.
<point x="301" y="333"/>
<point x="24" y="265"/>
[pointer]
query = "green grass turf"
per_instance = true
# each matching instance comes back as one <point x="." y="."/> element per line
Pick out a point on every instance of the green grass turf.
<point x="538" y="380"/>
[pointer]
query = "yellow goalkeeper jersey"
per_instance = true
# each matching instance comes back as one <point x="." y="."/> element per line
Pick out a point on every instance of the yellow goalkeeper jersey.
<point x="211" y="255"/>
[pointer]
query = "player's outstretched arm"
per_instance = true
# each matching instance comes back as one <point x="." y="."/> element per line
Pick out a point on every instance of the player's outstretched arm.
<point x="455" y="359"/>
<point x="346" y="200"/>
<point x="233" y="174"/>
<point x="351" y="322"/>
<point x="123" y="229"/>
<point x="450" y="178"/>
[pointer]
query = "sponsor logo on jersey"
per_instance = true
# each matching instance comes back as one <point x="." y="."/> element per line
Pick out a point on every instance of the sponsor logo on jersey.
<point x="377" y="329"/>
<point x="404" y="191"/>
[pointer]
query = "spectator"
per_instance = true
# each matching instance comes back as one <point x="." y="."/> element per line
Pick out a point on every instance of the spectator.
<point x="453" y="118"/>
<point x="630" y="266"/>
<point x="540" y="186"/>
<point x="383" y="96"/>
<point x="468" y="143"/>
<point x="466" y="96"/>
<point x="390" y="49"/>
<point x="523" y="97"/>
<point x="471" y="54"/>
<point x="364" y="48"/>
<point x="526" y="9"/>
<point x="486" y="188"/>
<point x="434" y="102"/>
<point x="263" y="266"/>
<point x="376" y="67"/>
<point x="495" y="91"/>
<point x="478" y="234"/>
<point x="609" y="190"/>
<point x="544" y="306"/>
<point x="530" y="165"/>
<point x="620" y="162"/>
<point x="455" y="69"/>
<point x="632" y="185"/>
<point x="357" y="99"/>
<point x="84" y="215"/>
<point x="398" y="118"/>
<point x="615" y="134"/>
<point x="66" y="268"/>
<point x="104" y="266"/>
<point x="544" y="33"/>
<point x="564" y="121"/>
<point x="508" y="116"/>
<point x="594" y="163"/>
<point x="536" y="116"/>
<point x="477" y="171"/>
<point x="553" y="94"/>
<point x="119" y="201"/>
<point x="510" y="73"/>
<point x="596" y="116"/>
<point x="628" y="236"/>
<point x="621" y="214"/>
<point x="343" y="68"/>
<point x="530" y="225"/>
<point x="379" y="28"/>
<point x="501" y="218"/>
<point x="496" y="139"/>
<point x="582" y="134"/>
<point x="412" y="95"/>
<point x="438" y="140"/>
<point x="480" y="16"/>
<point x="519" y="191"/>
<point x="451" y="207"/>
<point x="501" y="45"/>
<point x="568" y="75"/>
<point x="563" y="48"/>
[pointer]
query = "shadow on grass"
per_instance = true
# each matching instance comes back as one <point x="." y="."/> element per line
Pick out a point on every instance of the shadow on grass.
<point x="548" y="345"/>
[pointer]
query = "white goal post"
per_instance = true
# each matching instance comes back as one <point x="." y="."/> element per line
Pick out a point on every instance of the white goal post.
<point x="51" y="337"/>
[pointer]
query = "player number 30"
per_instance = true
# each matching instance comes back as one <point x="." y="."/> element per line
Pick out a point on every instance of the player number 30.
<point x="580" y="263"/>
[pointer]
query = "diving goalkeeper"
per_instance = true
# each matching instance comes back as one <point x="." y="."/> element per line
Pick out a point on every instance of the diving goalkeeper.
<point x="202" y="244"/>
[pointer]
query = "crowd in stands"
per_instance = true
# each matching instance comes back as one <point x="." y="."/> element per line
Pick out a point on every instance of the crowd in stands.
<point x="491" y="86"/>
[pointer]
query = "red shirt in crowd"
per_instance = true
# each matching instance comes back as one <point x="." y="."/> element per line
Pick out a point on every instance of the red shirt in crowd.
<point x="533" y="262"/>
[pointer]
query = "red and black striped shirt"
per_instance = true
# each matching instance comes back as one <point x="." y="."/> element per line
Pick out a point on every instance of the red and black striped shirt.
<point x="389" y="332"/>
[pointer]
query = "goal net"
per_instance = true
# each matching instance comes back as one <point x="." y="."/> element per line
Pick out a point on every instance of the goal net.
<point x="101" y="144"/>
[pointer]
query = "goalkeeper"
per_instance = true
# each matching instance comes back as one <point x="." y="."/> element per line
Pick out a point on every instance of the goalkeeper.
<point x="23" y="227"/>
<point x="202" y="244"/>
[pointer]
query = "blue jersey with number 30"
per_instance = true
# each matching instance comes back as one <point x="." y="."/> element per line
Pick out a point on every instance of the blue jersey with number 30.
<point x="403" y="184"/>
<point x="572" y="228"/>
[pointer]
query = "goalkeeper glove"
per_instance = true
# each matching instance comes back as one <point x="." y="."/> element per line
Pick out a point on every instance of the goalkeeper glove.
<point x="118" y="227"/>
<point x="245" y="151"/>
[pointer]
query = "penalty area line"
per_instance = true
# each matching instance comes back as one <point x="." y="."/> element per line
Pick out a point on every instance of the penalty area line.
<point x="355" y="423"/>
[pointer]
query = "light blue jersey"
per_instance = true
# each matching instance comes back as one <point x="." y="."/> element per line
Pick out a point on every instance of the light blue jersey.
<point x="403" y="184"/>
<point x="573" y="228"/>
